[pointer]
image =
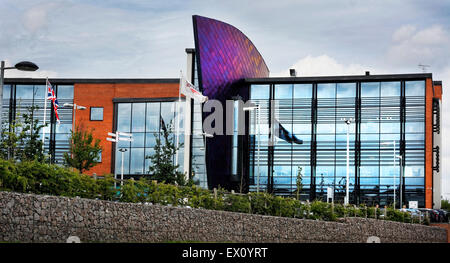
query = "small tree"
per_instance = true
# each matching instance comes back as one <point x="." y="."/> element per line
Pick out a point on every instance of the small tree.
<point x="299" y="182"/>
<point x="84" y="150"/>
<point x="162" y="168"/>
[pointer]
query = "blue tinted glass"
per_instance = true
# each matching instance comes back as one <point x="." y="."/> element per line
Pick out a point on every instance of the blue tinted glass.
<point x="124" y="117"/>
<point x="326" y="90"/>
<point x="39" y="92"/>
<point x="414" y="171"/>
<point x="24" y="92"/>
<point x="167" y="113"/>
<point x="390" y="127"/>
<point x="302" y="128"/>
<point x="415" y="88"/>
<point x="302" y="91"/>
<point x="6" y="91"/>
<point x="368" y="171"/>
<point x="138" y="139"/>
<point x="150" y="139"/>
<point x="369" y="180"/>
<point x="259" y="92"/>
<point x="324" y="171"/>
<point x="325" y="128"/>
<point x="282" y="171"/>
<point x="138" y="117"/>
<point x="370" y="127"/>
<point x="63" y="128"/>
<point x="390" y="89"/>
<point x="414" y="127"/>
<point x="370" y="89"/>
<point x="96" y="114"/>
<point x="65" y="92"/>
<point x="153" y="116"/>
<point x="137" y="161"/>
<point x="283" y="91"/>
<point x="346" y="90"/>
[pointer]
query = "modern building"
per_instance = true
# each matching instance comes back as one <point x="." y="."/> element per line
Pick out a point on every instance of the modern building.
<point x="393" y="132"/>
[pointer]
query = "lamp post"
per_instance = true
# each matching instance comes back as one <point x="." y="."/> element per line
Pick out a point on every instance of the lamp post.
<point x="257" y="117"/>
<point x="23" y="66"/>
<point x="394" y="159"/>
<point x="348" y="122"/>
<point x="401" y="180"/>
<point x="74" y="108"/>
<point x="122" y="150"/>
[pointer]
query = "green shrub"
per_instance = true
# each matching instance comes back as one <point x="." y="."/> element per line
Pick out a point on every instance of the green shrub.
<point x="261" y="203"/>
<point x="41" y="178"/>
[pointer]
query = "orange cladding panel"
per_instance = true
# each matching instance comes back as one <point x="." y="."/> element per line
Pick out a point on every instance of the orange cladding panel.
<point x="102" y="95"/>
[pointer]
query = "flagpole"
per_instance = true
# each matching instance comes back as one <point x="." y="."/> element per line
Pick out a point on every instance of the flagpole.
<point x="45" y="114"/>
<point x="178" y="116"/>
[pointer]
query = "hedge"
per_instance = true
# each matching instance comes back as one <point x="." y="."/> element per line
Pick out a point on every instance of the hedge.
<point x="41" y="178"/>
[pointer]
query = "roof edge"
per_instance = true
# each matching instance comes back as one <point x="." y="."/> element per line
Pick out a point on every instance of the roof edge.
<point x="340" y="78"/>
<point x="88" y="81"/>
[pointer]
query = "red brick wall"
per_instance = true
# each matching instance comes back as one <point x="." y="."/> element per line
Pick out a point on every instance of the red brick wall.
<point x="102" y="95"/>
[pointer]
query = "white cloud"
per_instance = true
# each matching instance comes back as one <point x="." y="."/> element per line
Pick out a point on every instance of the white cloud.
<point x="323" y="65"/>
<point x="403" y="33"/>
<point x="427" y="46"/>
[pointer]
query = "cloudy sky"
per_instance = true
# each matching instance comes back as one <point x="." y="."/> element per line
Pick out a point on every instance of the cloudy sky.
<point x="147" y="39"/>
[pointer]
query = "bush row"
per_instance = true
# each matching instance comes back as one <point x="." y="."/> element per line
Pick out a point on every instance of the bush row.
<point x="40" y="178"/>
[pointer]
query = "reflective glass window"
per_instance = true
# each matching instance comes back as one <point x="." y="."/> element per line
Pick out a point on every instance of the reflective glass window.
<point x="167" y="113"/>
<point x="259" y="92"/>
<point x="138" y="117"/>
<point x="65" y="92"/>
<point x="326" y="90"/>
<point x="346" y="90"/>
<point x="302" y="91"/>
<point x="370" y="89"/>
<point x="390" y="89"/>
<point x="124" y="117"/>
<point x="137" y="161"/>
<point x="152" y="117"/>
<point x="24" y="92"/>
<point x="283" y="91"/>
<point x="415" y="88"/>
<point x="39" y="92"/>
<point x="96" y="114"/>
<point x="6" y="91"/>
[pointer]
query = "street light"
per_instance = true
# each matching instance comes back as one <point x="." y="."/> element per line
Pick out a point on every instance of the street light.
<point x="257" y="116"/>
<point x="74" y="108"/>
<point x="122" y="150"/>
<point x="401" y="180"/>
<point x="23" y="66"/>
<point x="348" y="122"/>
<point x="394" y="156"/>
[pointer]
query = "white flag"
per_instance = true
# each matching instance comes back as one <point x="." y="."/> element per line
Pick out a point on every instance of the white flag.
<point x="189" y="90"/>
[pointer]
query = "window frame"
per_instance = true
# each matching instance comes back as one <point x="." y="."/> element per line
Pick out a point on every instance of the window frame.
<point x="96" y="107"/>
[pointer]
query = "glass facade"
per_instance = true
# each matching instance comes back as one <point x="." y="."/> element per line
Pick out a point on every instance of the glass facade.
<point x="387" y="120"/>
<point x="17" y="99"/>
<point x="142" y="120"/>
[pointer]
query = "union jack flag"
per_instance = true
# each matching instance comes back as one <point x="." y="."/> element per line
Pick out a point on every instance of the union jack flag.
<point x="51" y="96"/>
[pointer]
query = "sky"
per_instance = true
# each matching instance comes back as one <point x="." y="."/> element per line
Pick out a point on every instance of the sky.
<point x="147" y="39"/>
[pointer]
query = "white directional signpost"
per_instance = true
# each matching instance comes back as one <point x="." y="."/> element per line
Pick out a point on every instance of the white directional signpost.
<point x="116" y="137"/>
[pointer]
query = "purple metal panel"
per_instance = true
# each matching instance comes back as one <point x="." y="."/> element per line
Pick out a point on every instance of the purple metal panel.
<point x="225" y="56"/>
